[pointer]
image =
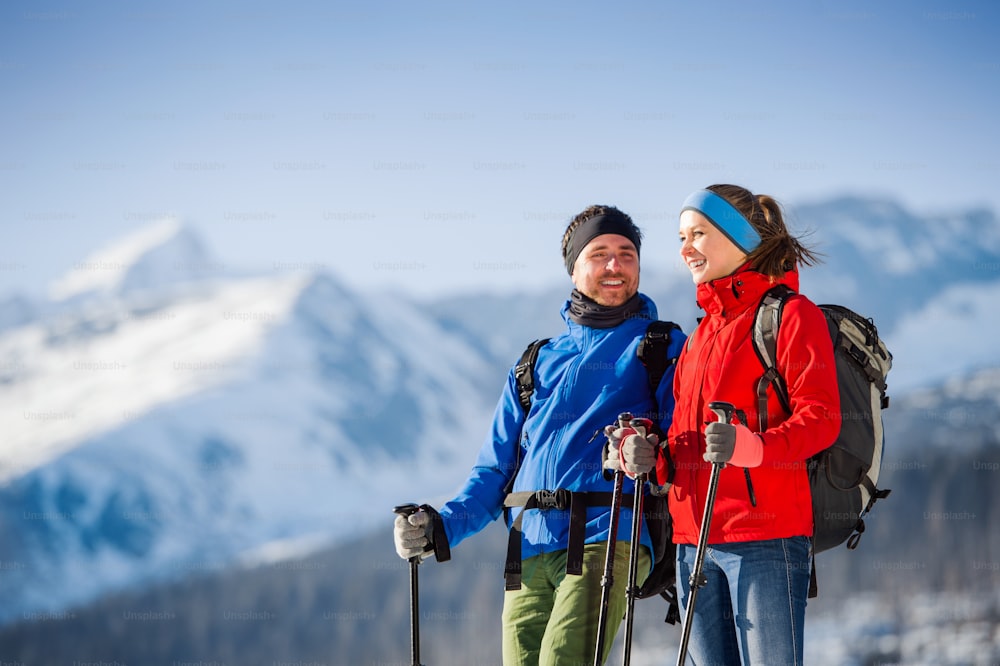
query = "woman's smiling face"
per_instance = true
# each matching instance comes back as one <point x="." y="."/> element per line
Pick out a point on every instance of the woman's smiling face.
<point x="707" y="252"/>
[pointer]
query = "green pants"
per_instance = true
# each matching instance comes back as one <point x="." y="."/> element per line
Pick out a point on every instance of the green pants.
<point x="552" y="620"/>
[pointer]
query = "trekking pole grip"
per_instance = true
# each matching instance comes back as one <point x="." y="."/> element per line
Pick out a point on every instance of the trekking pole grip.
<point x="723" y="410"/>
<point x="406" y="509"/>
<point x="724" y="413"/>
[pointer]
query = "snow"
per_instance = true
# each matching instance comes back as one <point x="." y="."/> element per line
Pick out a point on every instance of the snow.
<point x="105" y="269"/>
<point x="231" y="420"/>
<point x="948" y="336"/>
<point x="76" y="386"/>
<point x="923" y="629"/>
<point x="155" y="256"/>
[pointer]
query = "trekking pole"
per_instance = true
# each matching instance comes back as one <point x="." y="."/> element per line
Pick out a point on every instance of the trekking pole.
<point x="407" y="510"/>
<point x="724" y="411"/>
<point x="608" y="579"/>
<point x="633" y="553"/>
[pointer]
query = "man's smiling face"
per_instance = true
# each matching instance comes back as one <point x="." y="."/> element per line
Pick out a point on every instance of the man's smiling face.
<point x="607" y="270"/>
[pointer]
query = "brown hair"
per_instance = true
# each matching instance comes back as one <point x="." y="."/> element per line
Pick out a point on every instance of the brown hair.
<point x="779" y="251"/>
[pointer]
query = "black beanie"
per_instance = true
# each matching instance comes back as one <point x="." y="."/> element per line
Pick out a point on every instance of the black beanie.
<point x="610" y="222"/>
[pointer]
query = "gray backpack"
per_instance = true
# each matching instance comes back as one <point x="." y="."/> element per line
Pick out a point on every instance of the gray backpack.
<point x="844" y="477"/>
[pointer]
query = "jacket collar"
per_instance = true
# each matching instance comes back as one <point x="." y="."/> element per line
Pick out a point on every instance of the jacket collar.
<point x="732" y="295"/>
<point x="647" y="313"/>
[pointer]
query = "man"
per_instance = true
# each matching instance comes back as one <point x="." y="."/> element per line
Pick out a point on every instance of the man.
<point x="582" y="379"/>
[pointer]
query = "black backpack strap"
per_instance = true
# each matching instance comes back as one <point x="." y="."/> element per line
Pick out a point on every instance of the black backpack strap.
<point x="673" y="606"/>
<point x="560" y="499"/>
<point x="653" y="351"/>
<point x="524" y="374"/>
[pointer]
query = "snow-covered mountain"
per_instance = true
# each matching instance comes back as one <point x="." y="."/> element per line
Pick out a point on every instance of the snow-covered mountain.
<point x="930" y="282"/>
<point x="155" y="257"/>
<point x="161" y="416"/>
<point x="154" y="432"/>
<point x="876" y="248"/>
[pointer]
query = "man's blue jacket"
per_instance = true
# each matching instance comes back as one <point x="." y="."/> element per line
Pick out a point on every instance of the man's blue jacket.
<point x="584" y="379"/>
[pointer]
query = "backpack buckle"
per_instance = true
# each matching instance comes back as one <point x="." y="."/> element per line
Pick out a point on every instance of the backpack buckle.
<point x="553" y="499"/>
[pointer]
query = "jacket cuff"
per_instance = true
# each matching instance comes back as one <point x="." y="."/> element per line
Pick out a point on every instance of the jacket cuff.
<point x="749" y="450"/>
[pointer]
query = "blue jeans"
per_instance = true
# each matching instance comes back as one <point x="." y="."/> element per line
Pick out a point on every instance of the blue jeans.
<point x="753" y="608"/>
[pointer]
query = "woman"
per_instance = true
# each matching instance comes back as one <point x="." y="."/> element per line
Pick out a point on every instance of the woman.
<point x="757" y="565"/>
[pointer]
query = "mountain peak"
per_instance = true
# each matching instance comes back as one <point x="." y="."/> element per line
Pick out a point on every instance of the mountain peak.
<point x="156" y="256"/>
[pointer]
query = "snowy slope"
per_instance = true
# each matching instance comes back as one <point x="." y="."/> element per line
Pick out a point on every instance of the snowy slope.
<point x="149" y="437"/>
<point x="87" y="372"/>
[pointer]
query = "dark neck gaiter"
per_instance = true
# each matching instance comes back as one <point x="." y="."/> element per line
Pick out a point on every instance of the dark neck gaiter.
<point x="586" y="312"/>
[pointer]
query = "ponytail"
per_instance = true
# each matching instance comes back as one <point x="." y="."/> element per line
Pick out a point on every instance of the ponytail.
<point x="779" y="251"/>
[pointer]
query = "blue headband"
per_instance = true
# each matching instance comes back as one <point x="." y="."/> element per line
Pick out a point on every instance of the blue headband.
<point x="723" y="215"/>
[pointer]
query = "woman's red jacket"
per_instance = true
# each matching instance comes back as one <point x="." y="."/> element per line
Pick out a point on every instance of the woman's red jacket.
<point x="719" y="363"/>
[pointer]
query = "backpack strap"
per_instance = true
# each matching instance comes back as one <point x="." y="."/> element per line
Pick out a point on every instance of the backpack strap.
<point x="767" y="321"/>
<point x="560" y="499"/>
<point x="524" y="373"/>
<point x="653" y="352"/>
<point x="765" y="343"/>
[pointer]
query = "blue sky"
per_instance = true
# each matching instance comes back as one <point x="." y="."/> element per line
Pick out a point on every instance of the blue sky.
<point x="443" y="146"/>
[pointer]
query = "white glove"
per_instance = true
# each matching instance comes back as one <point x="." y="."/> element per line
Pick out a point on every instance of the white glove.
<point x="612" y="453"/>
<point x="413" y="535"/>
